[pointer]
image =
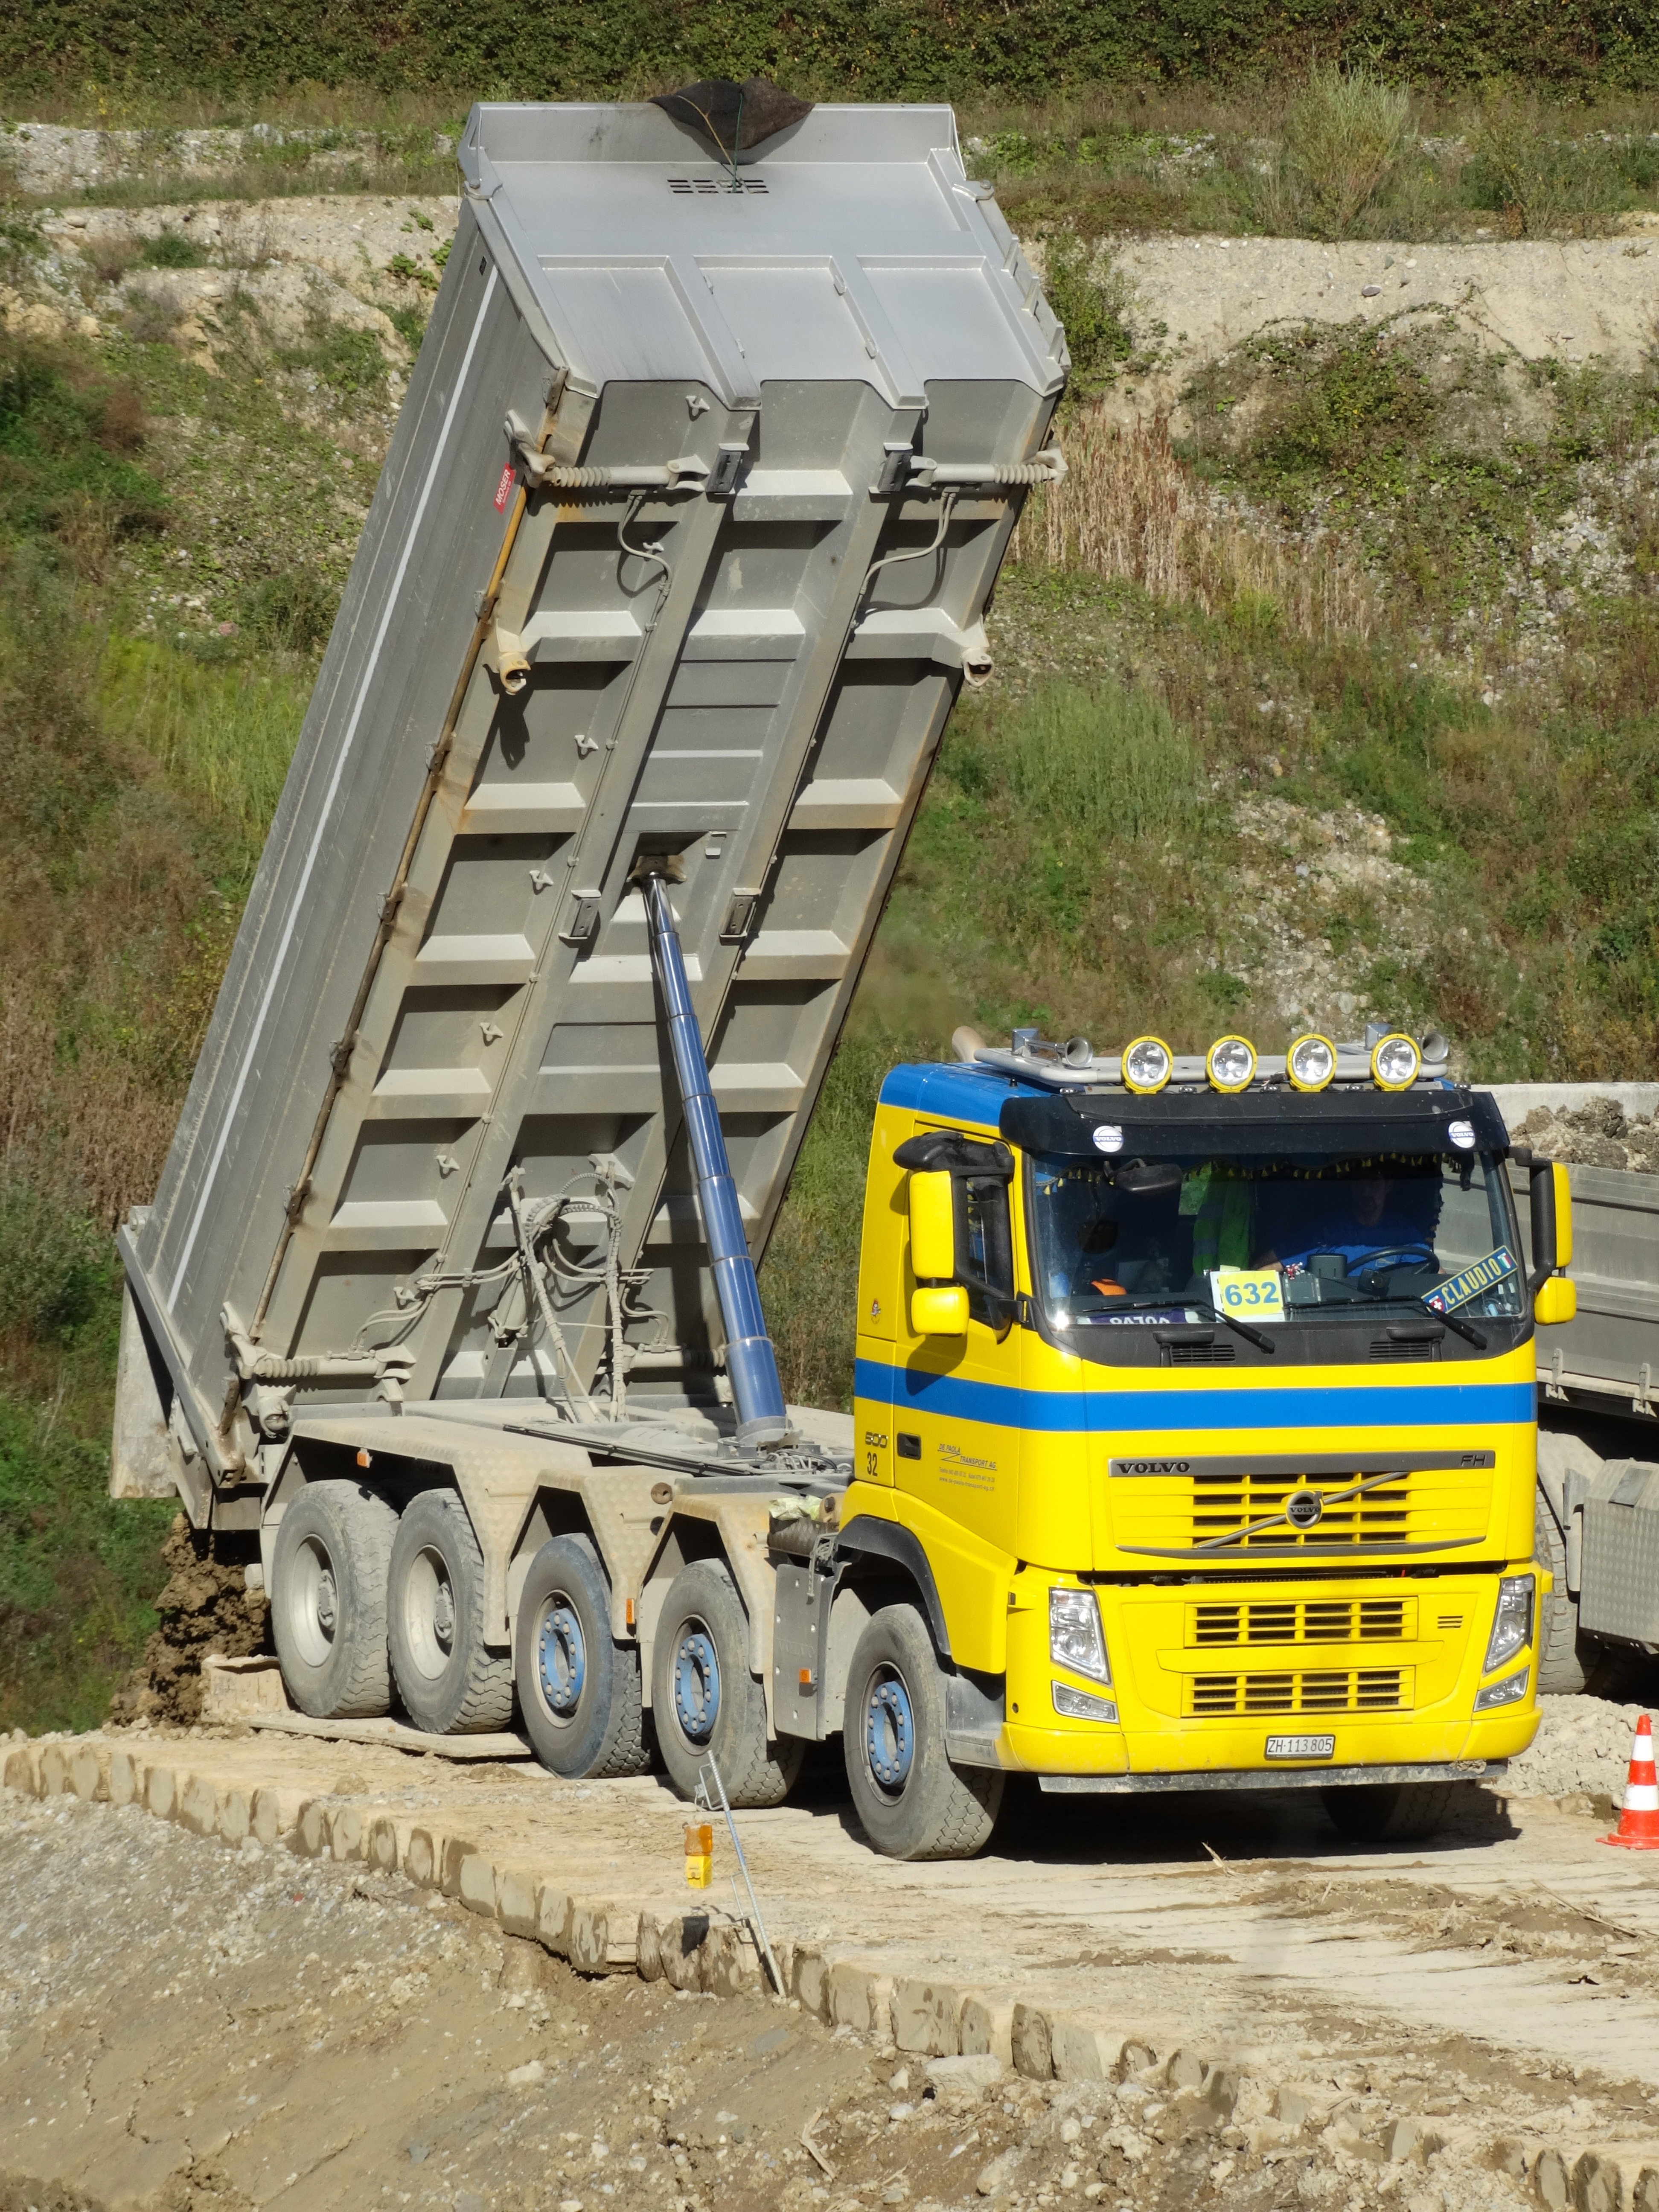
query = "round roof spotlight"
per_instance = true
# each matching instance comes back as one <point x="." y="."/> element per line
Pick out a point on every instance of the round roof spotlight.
<point x="1230" y="1063"/>
<point x="1311" y="1062"/>
<point x="1148" y="1064"/>
<point x="1394" y="1062"/>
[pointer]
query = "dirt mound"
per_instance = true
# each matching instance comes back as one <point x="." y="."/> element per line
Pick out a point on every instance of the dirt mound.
<point x="1582" y="1744"/>
<point x="1596" y="1134"/>
<point x="206" y="1606"/>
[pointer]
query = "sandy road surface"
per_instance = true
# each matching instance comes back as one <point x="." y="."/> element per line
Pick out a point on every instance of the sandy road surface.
<point x="1247" y="1913"/>
<point x="185" y="2028"/>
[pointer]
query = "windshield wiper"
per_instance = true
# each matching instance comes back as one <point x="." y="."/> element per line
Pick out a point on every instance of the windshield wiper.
<point x="1174" y="1298"/>
<point x="1466" y="1329"/>
<point x="1262" y="1341"/>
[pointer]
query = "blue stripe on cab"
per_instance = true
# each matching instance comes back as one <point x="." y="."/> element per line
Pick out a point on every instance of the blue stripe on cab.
<point x="1001" y="1405"/>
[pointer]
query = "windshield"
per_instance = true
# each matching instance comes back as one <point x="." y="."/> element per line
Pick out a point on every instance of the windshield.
<point x="1272" y="1240"/>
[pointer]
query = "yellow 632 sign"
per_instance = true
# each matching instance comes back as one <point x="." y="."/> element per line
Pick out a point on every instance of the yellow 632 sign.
<point x="1248" y="1293"/>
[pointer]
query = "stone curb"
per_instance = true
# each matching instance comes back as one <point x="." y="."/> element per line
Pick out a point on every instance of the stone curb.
<point x="704" y="1952"/>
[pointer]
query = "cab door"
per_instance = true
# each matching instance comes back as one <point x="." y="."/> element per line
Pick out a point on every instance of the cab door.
<point x="956" y="1413"/>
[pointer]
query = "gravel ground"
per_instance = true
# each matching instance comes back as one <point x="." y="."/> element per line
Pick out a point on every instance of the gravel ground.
<point x="188" y="2028"/>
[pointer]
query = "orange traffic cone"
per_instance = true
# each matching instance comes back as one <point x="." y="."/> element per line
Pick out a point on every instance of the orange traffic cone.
<point x="1638" y="1824"/>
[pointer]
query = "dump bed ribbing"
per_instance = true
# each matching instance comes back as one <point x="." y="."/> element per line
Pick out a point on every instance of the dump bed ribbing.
<point x="682" y="548"/>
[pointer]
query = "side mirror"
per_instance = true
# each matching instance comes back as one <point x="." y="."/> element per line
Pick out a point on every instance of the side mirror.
<point x="940" y="1312"/>
<point x="1555" y="1300"/>
<point x="932" y="1228"/>
<point x="1552" y="1220"/>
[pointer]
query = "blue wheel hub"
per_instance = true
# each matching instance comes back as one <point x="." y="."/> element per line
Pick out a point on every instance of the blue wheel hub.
<point x="562" y="1658"/>
<point x="697" y="1684"/>
<point x="890" y="1731"/>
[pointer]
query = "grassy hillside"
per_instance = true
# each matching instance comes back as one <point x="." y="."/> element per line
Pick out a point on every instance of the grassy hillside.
<point x="1349" y="706"/>
<point x="169" y="560"/>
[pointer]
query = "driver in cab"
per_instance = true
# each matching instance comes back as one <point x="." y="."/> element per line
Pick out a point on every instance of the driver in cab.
<point x="1355" y="1220"/>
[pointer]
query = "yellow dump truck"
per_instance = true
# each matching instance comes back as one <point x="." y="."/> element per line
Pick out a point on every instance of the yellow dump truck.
<point x="1193" y="1438"/>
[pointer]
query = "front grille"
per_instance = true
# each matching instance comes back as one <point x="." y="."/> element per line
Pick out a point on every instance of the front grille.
<point x="717" y="184"/>
<point x="1410" y="1347"/>
<point x="1196" y="1509"/>
<point x="1200" y="1355"/>
<point x="1221" y="1504"/>
<point x="1357" y="1690"/>
<point x="1309" y="1620"/>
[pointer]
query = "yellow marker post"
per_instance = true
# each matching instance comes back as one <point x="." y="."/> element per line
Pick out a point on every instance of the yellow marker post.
<point x="699" y="1857"/>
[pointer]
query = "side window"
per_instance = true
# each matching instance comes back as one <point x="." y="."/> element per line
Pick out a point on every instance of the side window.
<point x="985" y="1250"/>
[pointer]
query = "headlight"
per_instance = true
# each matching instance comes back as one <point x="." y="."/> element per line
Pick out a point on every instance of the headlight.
<point x="1082" y="1705"/>
<point x="1074" y="1633"/>
<point x="1394" y="1062"/>
<point x="1230" y="1063"/>
<point x="1311" y="1062"/>
<point x="1508" y="1691"/>
<point x="1511" y="1627"/>
<point x="1148" y="1064"/>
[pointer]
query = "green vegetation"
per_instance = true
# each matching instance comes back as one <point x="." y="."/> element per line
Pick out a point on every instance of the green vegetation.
<point x="1343" y="154"/>
<point x="169" y="564"/>
<point x="247" y="49"/>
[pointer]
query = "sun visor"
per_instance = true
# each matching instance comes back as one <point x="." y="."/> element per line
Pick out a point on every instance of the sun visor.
<point x="1265" y="1125"/>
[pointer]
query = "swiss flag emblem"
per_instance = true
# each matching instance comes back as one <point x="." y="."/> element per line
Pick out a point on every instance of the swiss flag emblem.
<point x="504" y="489"/>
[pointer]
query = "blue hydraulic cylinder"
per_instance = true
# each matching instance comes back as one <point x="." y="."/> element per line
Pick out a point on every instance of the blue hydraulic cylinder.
<point x="750" y="1363"/>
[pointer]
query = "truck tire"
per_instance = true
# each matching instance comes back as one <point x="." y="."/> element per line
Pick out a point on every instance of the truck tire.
<point x="703" y="1697"/>
<point x="913" y="1802"/>
<point x="1392" y="1812"/>
<point x="578" y="1689"/>
<point x="1566" y="1658"/>
<point x="328" y="1596"/>
<point x="450" y="1684"/>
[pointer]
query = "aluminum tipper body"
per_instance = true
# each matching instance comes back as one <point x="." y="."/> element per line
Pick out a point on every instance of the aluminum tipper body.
<point x="680" y="554"/>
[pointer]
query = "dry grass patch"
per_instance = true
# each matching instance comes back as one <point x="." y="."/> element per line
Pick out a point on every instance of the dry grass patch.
<point x="1128" y="509"/>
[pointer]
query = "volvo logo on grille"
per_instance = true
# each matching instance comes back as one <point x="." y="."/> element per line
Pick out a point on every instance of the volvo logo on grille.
<point x="1304" y="1509"/>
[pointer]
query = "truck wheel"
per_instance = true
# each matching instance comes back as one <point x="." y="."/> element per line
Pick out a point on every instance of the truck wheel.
<point x="328" y="1601"/>
<point x="578" y="1689"/>
<point x="1392" y="1812"/>
<point x="703" y="1697"/>
<point x="1566" y="1658"/>
<point x="449" y="1683"/>
<point x="913" y="1802"/>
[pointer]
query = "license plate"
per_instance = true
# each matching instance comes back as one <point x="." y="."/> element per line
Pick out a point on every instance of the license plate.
<point x="1301" y="1746"/>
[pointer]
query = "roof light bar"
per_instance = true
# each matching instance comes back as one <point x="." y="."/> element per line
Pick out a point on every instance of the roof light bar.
<point x="1387" y="1058"/>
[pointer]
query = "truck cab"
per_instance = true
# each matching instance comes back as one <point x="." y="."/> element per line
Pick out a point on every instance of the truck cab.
<point x="1212" y="1413"/>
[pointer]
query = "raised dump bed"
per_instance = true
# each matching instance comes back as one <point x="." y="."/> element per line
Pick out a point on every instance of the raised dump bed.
<point x="679" y="558"/>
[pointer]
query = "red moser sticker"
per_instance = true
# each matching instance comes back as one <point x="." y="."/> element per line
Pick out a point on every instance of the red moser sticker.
<point x="504" y="489"/>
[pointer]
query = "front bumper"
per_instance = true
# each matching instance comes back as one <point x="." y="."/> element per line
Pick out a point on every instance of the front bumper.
<point x="1261" y="1777"/>
<point x="1161" y="1742"/>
